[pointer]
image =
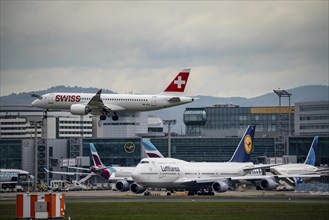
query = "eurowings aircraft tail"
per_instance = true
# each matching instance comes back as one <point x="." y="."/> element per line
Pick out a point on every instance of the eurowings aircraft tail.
<point x="243" y="151"/>
<point x="99" y="167"/>
<point x="310" y="159"/>
<point x="179" y="83"/>
<point x="97" y="160"/>
<point x="151" y="151"/>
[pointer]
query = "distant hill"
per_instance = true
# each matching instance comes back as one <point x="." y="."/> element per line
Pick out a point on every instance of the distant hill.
<point x="309" y="93"/>
<point x="25" y="98"/>
<point x="299" y="94"/>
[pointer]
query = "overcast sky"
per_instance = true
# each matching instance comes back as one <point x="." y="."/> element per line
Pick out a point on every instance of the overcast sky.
<point x="239" y="48"/>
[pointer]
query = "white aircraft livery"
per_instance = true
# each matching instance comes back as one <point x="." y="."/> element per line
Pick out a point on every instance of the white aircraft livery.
<point x="292" y="173"/>
<point x="104" y="104"/>
<point x="203" y="177"/>
<point x="196" y="177"/>
<point x="10" y="174"/>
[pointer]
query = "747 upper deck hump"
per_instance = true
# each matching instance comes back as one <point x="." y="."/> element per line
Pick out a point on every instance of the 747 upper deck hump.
<point x="109" y="104"/>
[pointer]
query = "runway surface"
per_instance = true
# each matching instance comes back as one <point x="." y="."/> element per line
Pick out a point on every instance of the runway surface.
<point x="160" y="196"/>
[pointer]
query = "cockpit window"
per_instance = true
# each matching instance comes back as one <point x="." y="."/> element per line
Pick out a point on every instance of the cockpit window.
<point x="144" y="161"/>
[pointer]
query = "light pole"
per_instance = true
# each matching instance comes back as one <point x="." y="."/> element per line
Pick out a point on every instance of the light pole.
<point x="283" y="93"/>
<point x="169" y="124"/>
<point x="36" y="124"/>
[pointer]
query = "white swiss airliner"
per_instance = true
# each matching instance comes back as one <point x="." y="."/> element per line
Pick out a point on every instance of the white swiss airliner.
<point x="104" y="104"/>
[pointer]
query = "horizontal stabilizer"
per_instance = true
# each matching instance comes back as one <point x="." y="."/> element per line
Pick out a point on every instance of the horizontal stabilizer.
<point x="174" y="99"/>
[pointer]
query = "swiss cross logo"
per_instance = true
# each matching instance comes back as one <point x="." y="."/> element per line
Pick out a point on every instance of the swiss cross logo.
<point x="179" y="83"/>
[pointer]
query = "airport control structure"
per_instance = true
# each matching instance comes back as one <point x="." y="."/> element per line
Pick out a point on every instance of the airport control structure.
<point x="283" y="134"/>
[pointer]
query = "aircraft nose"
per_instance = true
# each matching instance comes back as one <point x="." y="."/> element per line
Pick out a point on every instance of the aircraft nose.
<point x="135" y="175"/>
<point x="35" y="103"/>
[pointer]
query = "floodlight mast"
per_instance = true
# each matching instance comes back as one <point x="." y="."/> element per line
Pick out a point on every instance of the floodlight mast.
<point x="282" y="141"/>
<point x="169" y="124"/>
<point x="283" y="93"/>
<point x="36" y="124"/>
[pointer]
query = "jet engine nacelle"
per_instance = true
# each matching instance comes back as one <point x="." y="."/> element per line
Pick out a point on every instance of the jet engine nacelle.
<point x="220" y="186"/>
<point x="80" y="109"/>
<point x="268" y="184"/>
<point x="135" y="188"/>
<point x="122" y="185"/>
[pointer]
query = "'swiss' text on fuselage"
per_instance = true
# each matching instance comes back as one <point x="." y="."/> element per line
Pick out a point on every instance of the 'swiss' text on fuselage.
<point x="67" y="98"/>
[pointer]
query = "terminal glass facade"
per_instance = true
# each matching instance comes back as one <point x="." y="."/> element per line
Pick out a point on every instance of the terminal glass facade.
<point x="211" y="121"/>
<point x="115" y="151"/>
<point x="301" y="145"/>
<point x="211" y="149"/>
<point x="312" y="118"/>
<point x="10" y="154"/>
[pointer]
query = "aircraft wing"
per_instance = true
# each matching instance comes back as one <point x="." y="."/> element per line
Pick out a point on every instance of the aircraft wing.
<point x="80" y="168"/>
<point x="113" y="179"/>
<point x="192" y="181"/>
<point x="96" y="99"/>
<point x="323" y="171"/>
<point x="112" y="107"/>
<point x="198" y="181"/>
<point x="260" y="166"/>
<point x="96" y="104"/>
<point x="259" y="177"/>
<point x="66" y="173"/>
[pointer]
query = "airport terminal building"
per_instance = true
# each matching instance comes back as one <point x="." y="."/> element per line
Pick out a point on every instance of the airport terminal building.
<point x="212" y="133"/>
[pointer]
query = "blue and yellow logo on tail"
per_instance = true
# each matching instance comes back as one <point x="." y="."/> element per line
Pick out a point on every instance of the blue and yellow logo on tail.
<point x="248" y="143"/>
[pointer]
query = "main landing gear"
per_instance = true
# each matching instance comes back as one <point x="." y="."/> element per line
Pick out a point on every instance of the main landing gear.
<point x="115" y="117"/>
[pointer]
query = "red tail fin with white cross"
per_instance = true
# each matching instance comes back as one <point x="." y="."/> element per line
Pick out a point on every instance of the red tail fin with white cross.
<point x="179" y="83"/>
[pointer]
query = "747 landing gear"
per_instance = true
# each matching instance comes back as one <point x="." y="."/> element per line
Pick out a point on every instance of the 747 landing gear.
<point x="102" y="117"/>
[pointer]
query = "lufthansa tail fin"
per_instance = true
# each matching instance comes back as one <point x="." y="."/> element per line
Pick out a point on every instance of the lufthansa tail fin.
<point x="243" y="151"/>
<point x="95" y="156"/>
<point x="310" y="159"/>
<point x="151" y="151"/>
<point x="179" y="83"/>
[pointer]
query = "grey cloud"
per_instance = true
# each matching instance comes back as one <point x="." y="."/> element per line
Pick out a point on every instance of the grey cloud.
<point x="234" y="38"/>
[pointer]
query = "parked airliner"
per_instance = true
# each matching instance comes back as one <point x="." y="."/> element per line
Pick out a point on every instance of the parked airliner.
<point x="174" y="174"/>
<point x="290" y="173"/>
<point x="121" y="176"/>
<point x="11" y="174"/>
<point x="113" y="174"/>
<point x="105" y="104"/>
<point x="200" y="177"/>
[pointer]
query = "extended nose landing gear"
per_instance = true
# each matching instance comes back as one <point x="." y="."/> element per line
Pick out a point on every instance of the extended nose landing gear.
<point x="44" y="116"/>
